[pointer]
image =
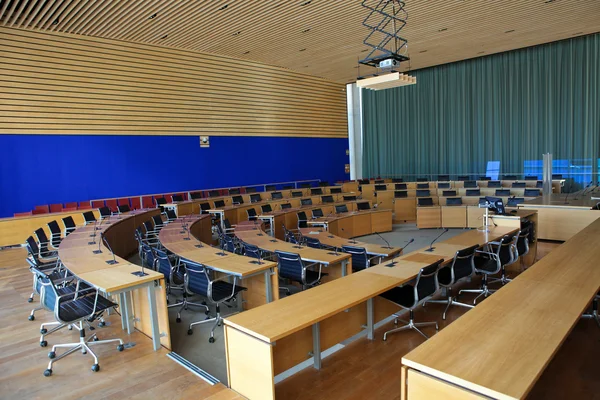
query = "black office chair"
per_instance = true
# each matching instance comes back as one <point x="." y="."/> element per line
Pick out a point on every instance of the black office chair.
<point x="531" y="177"/>
<point x="519" y="185"/>
<point x="89" y="217"/>
<point x="340" y="209"/>
<point x="213" y="193"/>
<point x="449" y="193"/>
<point x="360" y="257"/>
<point x="105" y="212"/>
<point x="45" y="262"/>
<point x="285" y="206"/>
<point x="287" y="187"/>
<point x="508" y="255"/>
<point x="290" y="266"/>
<point x="297" y="194"/>
<point x="171" y="216"/>
<point x="252" y="216"/>
<point x="423" y="193"/>
<point x="510" y="177"/>
<point x="531" y="193"/>
<point x="473" y="192"/>
<point x="494" y="184"/>
<point x="397" y="180"/>
<point x="216" y="291"/>
<point x="158" y="223"/>
<point x="219" y="203"/>
<point x="422" y="185"/>
<point x="270" y="188"/>
<point x="411" y="296"/>
<point x="276" y="196"/>
<point x="204" y="207"/>
<point x="316" y="191"/>
<point x="195" y="195"/>
<point x="379" y="181"/>
<point x="324" y="184"/>
<point x="462" y="178"/>
<point x="151" y="234"/>
<point x="251" y="189"/>
<point x="312" y="242"/>
<point x="236" y="200"/>
<point x="327" y="199"/>
<point x="400" y="194"/>
<point x="593" y="314"/>
<point x="302" y="220"/>
<point x="69" y="225"/>
<point x="502" y="192"/>
<point x="253" y="251"/>
<point x="317" y="213"/>
<point x="488" y="262"/>
<point x="145" y="251"/>
<point x="422" y="179"/>
<point x="177" y="198"/>
<point x="539" y="184"/>
<point x="335" y="190"/>
<point x="443" y="185"/>
<point x="85" y="304"/>
<point x="514" y="201"/>
<point x="123" y="208"/>
<point x="160" y="201"/>
<point x="44" y="243"/>
<point x="526" y="237"/>
<point x="290" y="236"/>
<point x="349" y="198"/>
<point x="306" y="202"/>
<point x="454" y="201"/>
<point x="461" y="268"/>
<point x="443" y="178"/>
<point x="424" y="201"/>
<point x="230" y="244"/>
<point x="228" y="228"/>
<point x="55" y="234"/>
<point x="266" y="208"/>
<point x="255" y="198"/>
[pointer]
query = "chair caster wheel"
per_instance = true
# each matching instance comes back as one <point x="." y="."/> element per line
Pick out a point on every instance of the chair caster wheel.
<point x="52" y="355"/>
<point x="190" y="331"/>
<point x="48" y="372"/>
<point x="120" y="347"/>
<point x="178" y="320"/>
<point x="31" y="318"/>
<point x="207" y="312"/>
<point x="43" y="343"/>
<point x="30" y="300"/>
<point x="91" y="328"/>
<point x="101" y="324"/>
<point x="384" y="339"/>
<point x="70" y="327"/>
<point x="211" y="340"/>
<point x="95" y="368"/>
<point x="43" y="331"/>
<point x="95" y="338"/>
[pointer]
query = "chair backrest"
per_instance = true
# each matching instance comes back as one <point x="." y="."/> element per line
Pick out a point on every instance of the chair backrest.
<point x="289" y="236"/>
<point x="317" y="213"/>
<point x="250" y="189"/>
<point x="531" y="177"/>
<point x="255" y="198"/>
<point x="32" y="247"/>
<point x="285" y="206"/>
<point x="423" y="193"/>
<point x="360" y="258"/>
<point x="531" y="193"/>
<point x="425" y="201"/>
<point x="305" y="185"/>
<point x="306" y="202"/>
<point x="55" y="231"/>
<point x="363" y="206"/>
<point x="422" y="179"/>
<point x="462" y="178"/>
<point x="124" y="208"/>
<point x="233" y="191"/>
<point x="204" y="207"/>
<point x="148" y="257"/>
<point x="251" y="214"/>
<point x="89" y="217"/>
<point x="400" y="186"/>
<point x="462" y="263"/>
<point x="69" y="224"/>
<point x="160" y="201"/>
<point x="502" y="192"/>
<point x="539" y="184"/>
<point x="397" y="180"/>
<point x="422" y="185"/>
<point x="302" y="220"/>
<point x="349" y="198"/>
<point x="523" y="240"/>
<point x="42" y="238"/>
<point x="147" y="202"/>
<point x="341" y="209"/>
<point x="510" y="177"/>
<point x="266" y="208"/>
<point x="196" y="195"/>
<point x="470" y="184"/>
<point x="290" y="266"/>
<point x="136" y="203"/>
<point x="443" y="178"/>
<point x="163" y="264"/>
<point x="507" y="251"/>
<point x="494" y="184"/>
<point x="287" y="187"/>
<point x="426" y="284"/>
<point x="104" y="212"/>
<point x="513" y="201"/>
<point x="485" y="178"/>
<point x="400" y="194"/>
<point x="219" y="203"/>
<point x="443" y="185"/>
<point x="196" y="279"/>
<point x="148" y="226"/>
<point x="213" y="193"/>
<point x="316" y="191"/>
<point x="312" y="242"/>
<point x="473" y="192"/>
<point x="270" y="188"/>
<point x="327" y="199"/>
<point x="380" y="188"/>
<point x="158" y="222"/>
<point x="251" y="250"/>
<point x="454" y="201"/>
<point x="171" y="216"/>
<point x="297" y="194"/>
<point x="336" y="190"/>
<point x="177" y="197"/>
<point x="519" y="184"/>
<point x="449" y="193"/>
<point x="324" y="184"/>
<point x="226" y="223"/>
<point x="237" y="199"/>
<point x="276" y="196"/>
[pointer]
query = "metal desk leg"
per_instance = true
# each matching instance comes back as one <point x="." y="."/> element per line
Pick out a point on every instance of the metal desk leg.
<point x="344" y="267"/>
<point x="316" y="346"/>
<point x="153" y="316"/>
<point x="268" y="287"/>
<point x="123" y="305"/>
<point x="128" y="312"/>
<point x="370" y="325"/>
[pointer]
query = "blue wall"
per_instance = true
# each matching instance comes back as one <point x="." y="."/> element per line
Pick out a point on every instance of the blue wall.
<point x="45" y="169"/>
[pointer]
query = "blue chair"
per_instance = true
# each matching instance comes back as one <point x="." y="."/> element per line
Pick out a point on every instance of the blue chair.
<point x="84" y="304"/>
<point x="290" y="236"/>
<point x="229" y="243"/>
<point x="290" y="266"/>
<point x="217" y="291"/>
<point x="411" y="296"/>
<point x="313" y="242"/>
<point x="360" y="258"/>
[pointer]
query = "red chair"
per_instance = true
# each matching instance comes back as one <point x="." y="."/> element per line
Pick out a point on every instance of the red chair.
<point x="70" y="207"/>
<point x="41" y="210"/>
<point x="135" y="203"/>
<point x="23" y="214"/>
<point x="123" y="201"/>
<point x="112" y="204"/>
<point x="84" y="205"/>
<point x="169" y="198"/>
<point x="97" y="203"/>
<point x="56" y="208"/>
<point x="147" y="202"/>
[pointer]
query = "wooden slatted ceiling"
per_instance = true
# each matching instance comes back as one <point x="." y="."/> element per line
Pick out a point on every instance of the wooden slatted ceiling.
<point x="55" y="83"/>
<point x="318" y="37"/>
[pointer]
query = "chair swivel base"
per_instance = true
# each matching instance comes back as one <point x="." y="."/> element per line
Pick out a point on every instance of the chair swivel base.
<point x="449" y="302"/>
<point x="217" y="319"/>
<point x="485" y="292"/>
<point x="594" y="313"/>
<point x="83" y="345"/>
<point x="184" y="306"/>
<point x="411" y="325"/>
<point x="504" y="279"/>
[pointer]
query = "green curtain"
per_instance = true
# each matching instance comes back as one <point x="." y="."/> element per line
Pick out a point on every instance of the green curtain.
<point x="509" y="107"/>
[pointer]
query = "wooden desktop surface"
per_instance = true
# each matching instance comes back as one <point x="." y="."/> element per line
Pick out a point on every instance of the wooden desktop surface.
<point x="328" y="239"/>
<point x="501" y="347"/>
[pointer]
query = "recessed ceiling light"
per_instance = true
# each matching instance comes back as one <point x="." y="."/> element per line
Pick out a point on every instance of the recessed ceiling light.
<point x="549" y="1"/>
<point x="306" y="30"/>
<point x="223" y="7"/>
<point x="306" y="66"/>
<point x="302" y="50"/>
<point x="164" y="37"/>
<point x="153" y="16"/>
<point x="306" y="3"/>
<point x="578" y="33"/>
<point x="481" y="52"/>
<point x="55" y="22"/>
<point x="423" y="51"/>
<point x="442" y="30"/>
<point x="236" y="33"/>
<point x="512" y="30"/>
<point x="247" y="52"/>
<point x="362" y="51"/>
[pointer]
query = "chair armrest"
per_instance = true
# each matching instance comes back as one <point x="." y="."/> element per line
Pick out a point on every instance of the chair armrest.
<point x="492" y="255"/>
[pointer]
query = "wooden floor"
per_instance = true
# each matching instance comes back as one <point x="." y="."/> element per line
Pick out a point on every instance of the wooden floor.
<point x="138" y="372"/>
<point x="371" y="369"/>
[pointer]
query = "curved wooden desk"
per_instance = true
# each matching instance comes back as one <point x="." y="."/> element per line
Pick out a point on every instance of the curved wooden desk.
<point x="356" y="223"/>
<point x="142" y="302"/>
<point x="260" y="279"/>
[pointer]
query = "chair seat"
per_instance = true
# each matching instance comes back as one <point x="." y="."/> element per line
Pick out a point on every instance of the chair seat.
<point x="445" y="276"/>
<point x="484" y="265"/>
<point x="313" y="276"/>
<point x="83" y="307"/>
<point x="222" y="290"/>
<point x="178" y="277"/>
<point x="404" y="296"/>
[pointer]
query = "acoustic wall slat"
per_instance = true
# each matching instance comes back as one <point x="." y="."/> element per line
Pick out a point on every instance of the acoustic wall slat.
<point x="65" y="84"/>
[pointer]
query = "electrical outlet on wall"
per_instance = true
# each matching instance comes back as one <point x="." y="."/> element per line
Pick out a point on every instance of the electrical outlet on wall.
<point x="204" y="141"/>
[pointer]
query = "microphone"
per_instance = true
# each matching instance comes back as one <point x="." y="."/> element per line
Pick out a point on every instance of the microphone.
<point x="93" y="235"/>
<point x="394" y="262"/>
<point x="378" y="204"/>
<point x="588" y="191"/>
<point x="582" y="192"/>
<point x="431" y="248"/>
<point x="386" y="242"/>
<point x="114" y="260"/>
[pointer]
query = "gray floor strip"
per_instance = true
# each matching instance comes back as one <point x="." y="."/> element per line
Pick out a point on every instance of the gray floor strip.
<point x="191" y="367"/>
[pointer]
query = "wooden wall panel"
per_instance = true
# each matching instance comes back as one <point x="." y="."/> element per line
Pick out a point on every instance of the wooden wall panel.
<point x="56" y="83"/>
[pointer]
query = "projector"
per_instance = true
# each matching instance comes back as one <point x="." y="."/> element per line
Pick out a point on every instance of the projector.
<point x="389" y="63"/>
